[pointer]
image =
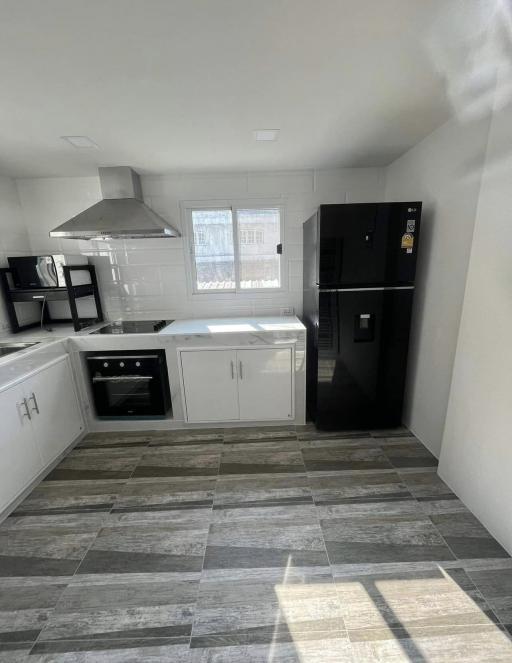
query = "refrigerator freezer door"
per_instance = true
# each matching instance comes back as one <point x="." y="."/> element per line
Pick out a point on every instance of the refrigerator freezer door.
<point x="362" y="355"/>
<point x="367" y="244"/>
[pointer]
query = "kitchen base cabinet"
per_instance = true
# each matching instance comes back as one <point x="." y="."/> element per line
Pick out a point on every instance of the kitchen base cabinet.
<point x="40" y="417"/>
<point x="253" y="384"/>
<point x="21" y="459"/>
<point x="265" y="384"/>
<point x="56" y="417"/>
<point x="210" y="385"/>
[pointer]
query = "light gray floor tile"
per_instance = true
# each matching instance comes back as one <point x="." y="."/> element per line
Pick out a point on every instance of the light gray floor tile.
<point x="381" y="539"/>
<point x="199" y="460"/>
<point x="265" y="544"/>
<point x="210" y="546"/>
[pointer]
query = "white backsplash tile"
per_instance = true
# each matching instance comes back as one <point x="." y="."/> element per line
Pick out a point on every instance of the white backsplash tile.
<point x="147" y="278"/>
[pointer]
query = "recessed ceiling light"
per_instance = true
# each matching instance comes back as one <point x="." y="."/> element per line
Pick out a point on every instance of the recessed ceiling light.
<point x="266" y="134"/>
<point x="80" y="142"/>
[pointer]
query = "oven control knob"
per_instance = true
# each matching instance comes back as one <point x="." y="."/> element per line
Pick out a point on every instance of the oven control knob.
<point x="105" y="364"/>
<point x="137" y="363"/>
<point x="121" y="364"/>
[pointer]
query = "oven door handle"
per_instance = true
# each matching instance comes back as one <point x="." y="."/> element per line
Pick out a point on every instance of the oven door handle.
<point x="123" y="378"/>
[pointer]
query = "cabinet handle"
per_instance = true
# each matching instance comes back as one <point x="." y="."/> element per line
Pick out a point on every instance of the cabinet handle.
<point x="36" y="406"/>
<point x="25" y="405"/>
<point x="232" y="370"/>
<point x="241" y="370"/>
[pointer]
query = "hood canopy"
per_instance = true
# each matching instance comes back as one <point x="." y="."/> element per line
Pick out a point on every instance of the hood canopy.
<point x="121" y="214"/>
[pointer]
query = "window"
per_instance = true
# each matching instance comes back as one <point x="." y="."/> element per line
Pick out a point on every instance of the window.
<point x="251" y="236"/>
<point x="199" y="236"/>
<point x="235" y="249"/>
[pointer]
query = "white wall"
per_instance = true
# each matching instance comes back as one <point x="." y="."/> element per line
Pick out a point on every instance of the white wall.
<point x="444" y="171"/>
<point x="13" y="241"/>
<point x="476" y="457"/>
<point x="146" y="278"/>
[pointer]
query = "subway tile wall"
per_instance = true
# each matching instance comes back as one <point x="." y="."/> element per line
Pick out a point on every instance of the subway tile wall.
<point x="147" y="278"/>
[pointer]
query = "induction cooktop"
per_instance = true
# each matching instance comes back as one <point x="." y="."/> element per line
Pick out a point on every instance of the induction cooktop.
<point x="133" y="327"/>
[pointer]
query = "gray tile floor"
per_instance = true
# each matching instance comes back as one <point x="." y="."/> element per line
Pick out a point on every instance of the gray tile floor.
<point x="259" y="545"/>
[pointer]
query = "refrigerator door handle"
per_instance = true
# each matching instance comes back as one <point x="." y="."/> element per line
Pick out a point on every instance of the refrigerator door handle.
<point x="390" y="287"/>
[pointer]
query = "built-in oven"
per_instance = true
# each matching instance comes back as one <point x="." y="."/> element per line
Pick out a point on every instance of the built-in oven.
<point x="129" y="383"/>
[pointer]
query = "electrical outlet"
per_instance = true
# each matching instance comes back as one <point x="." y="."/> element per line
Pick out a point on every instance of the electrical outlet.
<point x="287" y="310"/>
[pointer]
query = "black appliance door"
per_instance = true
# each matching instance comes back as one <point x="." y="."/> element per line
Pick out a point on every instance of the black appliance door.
<point x="127" y="395"/>
<point x="362" y="358"/>
<point x="368" y="244"/>
<point x="129" y="384"/>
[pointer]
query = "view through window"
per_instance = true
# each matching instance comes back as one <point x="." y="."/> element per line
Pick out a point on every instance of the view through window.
<point x="236" y="249"/>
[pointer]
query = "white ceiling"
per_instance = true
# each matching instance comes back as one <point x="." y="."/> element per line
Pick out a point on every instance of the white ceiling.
<point x="180" y="85"/>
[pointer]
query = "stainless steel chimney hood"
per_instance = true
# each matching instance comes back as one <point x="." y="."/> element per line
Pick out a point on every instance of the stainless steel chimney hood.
<point x="121" y="214"/>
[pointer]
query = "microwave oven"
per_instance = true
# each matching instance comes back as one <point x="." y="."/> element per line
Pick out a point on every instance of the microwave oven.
<point x="46" y="271"/>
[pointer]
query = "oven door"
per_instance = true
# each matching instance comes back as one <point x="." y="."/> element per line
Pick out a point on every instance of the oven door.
<point x="127" y="395"/>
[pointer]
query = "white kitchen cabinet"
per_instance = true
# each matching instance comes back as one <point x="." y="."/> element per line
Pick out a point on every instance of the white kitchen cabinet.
<point x="40" y="417"/>
<point x="21" y="460"/>
<point x="265" y="384"/>
<point x="253" y="384"/>
<point x="56" y="416"/>
<point x="210" y="385"/>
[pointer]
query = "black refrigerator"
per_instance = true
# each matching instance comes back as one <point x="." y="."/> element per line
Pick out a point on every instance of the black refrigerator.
<point x="359" y="269"/>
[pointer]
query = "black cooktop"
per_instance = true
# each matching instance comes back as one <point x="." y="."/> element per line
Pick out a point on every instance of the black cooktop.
<point x="133" y="327"/>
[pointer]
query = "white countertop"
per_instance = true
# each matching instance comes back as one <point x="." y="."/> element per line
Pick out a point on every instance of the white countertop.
<point x="260" y="324"/>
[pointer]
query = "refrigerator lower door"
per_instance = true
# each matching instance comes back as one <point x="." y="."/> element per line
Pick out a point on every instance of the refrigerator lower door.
<point x="363" y="339"/>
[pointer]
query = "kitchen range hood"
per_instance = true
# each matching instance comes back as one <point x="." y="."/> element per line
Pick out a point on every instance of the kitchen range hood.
<point x="121" y="214"/>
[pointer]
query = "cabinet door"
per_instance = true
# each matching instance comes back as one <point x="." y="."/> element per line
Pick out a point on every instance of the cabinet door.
<point x="56" y="416"/>
<point x="265" y="384"/>
<point x="20" y="456"/>
<point x="209" y="385"/>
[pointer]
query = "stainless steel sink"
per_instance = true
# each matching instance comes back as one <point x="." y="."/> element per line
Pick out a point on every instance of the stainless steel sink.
<point x="8" y="347"/>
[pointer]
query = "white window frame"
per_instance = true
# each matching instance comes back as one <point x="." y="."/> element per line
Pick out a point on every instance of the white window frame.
<point x="187" y="207"/>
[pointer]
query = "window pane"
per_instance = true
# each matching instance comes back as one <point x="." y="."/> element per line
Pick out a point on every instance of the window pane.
<point x="213" y="249"/>
<point x="259" y="233"/>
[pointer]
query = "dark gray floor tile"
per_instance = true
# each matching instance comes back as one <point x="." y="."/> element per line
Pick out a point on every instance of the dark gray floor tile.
<point x="466" y="536"/>
<point x="115" y="440"/>
<point x="25" y="608"/>
<point x="54" y="497"/>
<point x="264" y="496"/>
<point x="425" y="483"/>
<point x="496" y="587"/>
<point x="259" y="433"/>
<point x="352" y="493"/>
<point x="467" y="643"/>
<point x="336" y="459"/>
<point x="97" y="464"/>
<point x="399" y="431"/>
<point x="183" y="438"/>
<point x="142" y="607"/>
<point x="305" y="648"/>
<point x="14" y="652"/>
<point x="383" y="539"/>
<point x="352" y="487"/>
<point x="263" y="461"/>
<point x="140" y="493"/>
<point x="310" y="432"/>
<point x="259" y="610"/>
<point x="129" y="650"/>
<point x="265" y="544"/>
<point x="44" y="551"/>
<point x="199" y="460"/>
<point x="146" y="548"/>
<point x="407" y="452"/>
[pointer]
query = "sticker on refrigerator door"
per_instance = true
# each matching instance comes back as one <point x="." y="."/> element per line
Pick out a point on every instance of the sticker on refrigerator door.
<point x="411" y="225"/>
<point x="407" y="241"/>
